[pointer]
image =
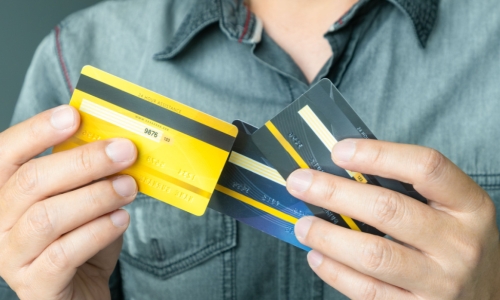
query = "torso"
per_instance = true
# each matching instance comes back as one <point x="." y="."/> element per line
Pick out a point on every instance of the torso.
<point x="298" y="28"/>
<point x="445" y="96"/>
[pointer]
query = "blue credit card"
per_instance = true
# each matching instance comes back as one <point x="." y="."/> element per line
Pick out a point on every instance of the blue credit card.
<point x="251" y="191"/>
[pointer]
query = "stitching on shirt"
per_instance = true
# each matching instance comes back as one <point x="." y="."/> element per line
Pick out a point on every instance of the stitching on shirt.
<point x="61" y="59"/>
<point x="289" y="269"/>
<point x="228" y="275"/>
<point x="486" y="181"/>
<point x="228" y="262"/>
<point x="247" y="22"/>
<point x="167" y="269"/>
<point x="233" y="273"/>
<point x="318" y="288"/>
<point x="289" y="88"/>
<point x="483" y="174"/>
<point x="180" y="266"/>
<point x="222" y="275"/>
<point x="233" y="257"/>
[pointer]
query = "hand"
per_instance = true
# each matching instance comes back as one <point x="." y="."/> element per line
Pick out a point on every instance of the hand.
<point x="60" y="225"/>
<point x="448" y="249"/>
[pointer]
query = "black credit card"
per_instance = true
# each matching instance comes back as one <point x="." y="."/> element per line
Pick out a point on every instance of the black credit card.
<point x="303" y="136"/>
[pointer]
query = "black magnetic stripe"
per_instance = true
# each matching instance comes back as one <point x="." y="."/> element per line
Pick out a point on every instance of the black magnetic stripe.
<point x="151" y="111"/>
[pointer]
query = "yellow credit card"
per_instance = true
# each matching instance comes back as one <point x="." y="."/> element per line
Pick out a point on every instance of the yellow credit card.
<point x="181" y="151"/>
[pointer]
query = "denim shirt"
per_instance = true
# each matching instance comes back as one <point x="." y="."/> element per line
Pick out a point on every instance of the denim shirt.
<point x="416" y="71"/>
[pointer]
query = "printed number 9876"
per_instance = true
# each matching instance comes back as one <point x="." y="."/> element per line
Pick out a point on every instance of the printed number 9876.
<point x="151" y="132"/>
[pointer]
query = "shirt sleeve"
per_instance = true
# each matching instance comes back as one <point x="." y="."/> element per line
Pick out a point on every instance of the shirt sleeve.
<point x="43" y="89"/>
<point x="44" y="86"/>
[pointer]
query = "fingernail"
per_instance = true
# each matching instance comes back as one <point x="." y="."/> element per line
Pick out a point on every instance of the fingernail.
<point x="300" y="180"/>
<point x="125" y="186"/>
<point x="314" y="258"/>
<point x="344" y="150"/>
<point x="121" y="150"/>
<point x="63" y="118"/>
<point x="120" y="218"/>
<point x="302" y="228"/>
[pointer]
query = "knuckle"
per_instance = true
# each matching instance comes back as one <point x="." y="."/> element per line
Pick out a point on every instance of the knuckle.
<point x="57" y="258"/>
<point x="375" y="255"/>
<point x="83" y="159"/>
<point x="369" y="291"/>
<point x="34" y="129"/>
<point x="95" y="235"/>
<point x="23" y="285"/>
<point x="92" y="195"/>
<point x="333" y="276"/>
<point x="331" y="190"/>
<point x="472" y="253"/>
<point x="430" y="166"/>
<point x="27" y="178"/>
<point x="387" y="208"/>
<point x="3" y="146"/>
<point x="489" y="211"/>
<point x="39" y="220"/>
<point x="377" y="155"/>
<point x="455" y="288"/>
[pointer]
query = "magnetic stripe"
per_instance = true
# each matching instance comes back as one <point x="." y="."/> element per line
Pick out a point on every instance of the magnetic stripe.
<point x="153" y="112"/>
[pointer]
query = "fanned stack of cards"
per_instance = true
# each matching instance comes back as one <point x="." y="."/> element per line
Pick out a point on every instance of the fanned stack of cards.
<point x="192" y="160"/>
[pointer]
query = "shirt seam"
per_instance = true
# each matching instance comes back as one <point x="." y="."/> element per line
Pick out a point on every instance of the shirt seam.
<point x="247" y="23"/>
<point x="61" y="60"/>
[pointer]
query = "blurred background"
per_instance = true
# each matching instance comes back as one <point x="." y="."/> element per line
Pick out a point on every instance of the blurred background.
<point x="23" y="25"/>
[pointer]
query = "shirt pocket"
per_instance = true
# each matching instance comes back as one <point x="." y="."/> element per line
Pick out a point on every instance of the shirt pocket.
<point x="165" y="241"/>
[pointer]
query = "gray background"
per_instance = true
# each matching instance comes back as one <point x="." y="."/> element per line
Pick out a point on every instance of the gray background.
<point x="23" y="25"/>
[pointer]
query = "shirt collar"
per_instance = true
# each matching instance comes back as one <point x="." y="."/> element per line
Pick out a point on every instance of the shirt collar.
<point x="239" y="24"/>
<point x="423" y="15"/>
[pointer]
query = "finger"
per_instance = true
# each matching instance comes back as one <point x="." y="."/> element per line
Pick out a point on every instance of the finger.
<point x="60" y="172"/>
<point x="395" y="214"/>
<point x="58" y="264"/>
<point x="371" y="255"/>
<point x="432" y="174"/>
<point x="33" y="136"/>
<point x="105" y="261"/>
<point x="47" y="220"/>
<point x="351" y="283"/>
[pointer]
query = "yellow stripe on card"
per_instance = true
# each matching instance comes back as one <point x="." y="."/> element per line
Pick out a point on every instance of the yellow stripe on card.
<point x="118" y="119"/>
<point x="274" y="212"/>
<point x="329" y="141"/>
<point x="318" y="127"/>
<point x="256" y="167"/>
<point x="325" y="136"/>
<point x="350" y="222"/>
<point x="285" y="144"/>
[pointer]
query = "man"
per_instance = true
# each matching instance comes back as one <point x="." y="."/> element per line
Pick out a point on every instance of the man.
<point x="418" y="72"/>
